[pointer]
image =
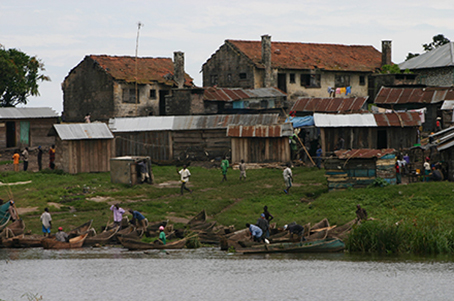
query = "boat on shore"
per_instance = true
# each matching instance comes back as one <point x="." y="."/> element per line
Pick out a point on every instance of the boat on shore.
<point x="82" y="229"/>
<point x="134" y="244"/>
<point x="76" y="242"/>
<point x="328" y="245"/>
<point x="102" y="238"/>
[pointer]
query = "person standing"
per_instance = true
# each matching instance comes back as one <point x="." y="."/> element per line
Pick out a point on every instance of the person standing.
<point x="361" y="213"/>
<point x="46" y="221"/>
<point x="262" y="223"/>
<point x="242" y="167"/>
<point x="224" y="167"/>
<point x="52" y="157"/>
<point x="117" y="214"/>
<point x="61" y="235"/>
<point x="87" y="118"/>
<point x="162" y="235"/>
<point x="427" y="170"/>
<point x="184" y="176"/>
<point x="40" y="158"/>
<point x="288" y="178"/>
<point x="268" y="216"/>
<point x="16" y="158"/>
<point x="143" y="170"/>
<point x="25" y="155"/>
<point x="318" y="153"/>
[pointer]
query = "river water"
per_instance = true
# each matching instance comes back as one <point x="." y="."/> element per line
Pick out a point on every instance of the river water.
<point x="211" y="274"/>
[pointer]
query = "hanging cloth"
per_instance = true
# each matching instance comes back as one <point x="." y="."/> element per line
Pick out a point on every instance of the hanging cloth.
<point x="349" y="90"/>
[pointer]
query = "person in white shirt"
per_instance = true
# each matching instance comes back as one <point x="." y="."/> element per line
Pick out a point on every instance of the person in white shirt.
<point x="184" y="174"/>
<point x="288" y="178"/>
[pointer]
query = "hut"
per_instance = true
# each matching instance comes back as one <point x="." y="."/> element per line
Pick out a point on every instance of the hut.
<point x="20" y="127"/>
<point x="359" y="168"/>
<point x="260" y="143"/>
<point x="83" y="147"/>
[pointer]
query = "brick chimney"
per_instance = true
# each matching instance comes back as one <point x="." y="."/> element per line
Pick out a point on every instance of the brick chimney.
<point x="386" y="53"/>
<point x="178" y="68"/>
<point x="266" y="59"/>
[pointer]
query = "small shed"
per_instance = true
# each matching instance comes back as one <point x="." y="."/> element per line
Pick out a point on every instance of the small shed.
<point x="124" y="170"/>
<point x="83" y="147"/>
<point x="360" y="167"/>
<point x="260" y="143"/>
<point x="20" y="127"/>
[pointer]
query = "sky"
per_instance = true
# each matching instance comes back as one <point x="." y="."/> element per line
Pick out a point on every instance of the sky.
<point x="61" y="33"/>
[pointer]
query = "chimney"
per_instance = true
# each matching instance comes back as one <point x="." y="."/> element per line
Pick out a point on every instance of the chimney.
<point x="178" y="68"/>
<point x="266" y="59"/>
<point x="386" y="53"/>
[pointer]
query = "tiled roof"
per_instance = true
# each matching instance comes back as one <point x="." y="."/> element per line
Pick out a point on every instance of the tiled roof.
<point x="232" y="94"/>
<point x="330" y="105"/>
<point x="148" y="69"/>
<point x="363" y="153"/>
<point x="332" y="57"/>
<point x="414" y="95"/>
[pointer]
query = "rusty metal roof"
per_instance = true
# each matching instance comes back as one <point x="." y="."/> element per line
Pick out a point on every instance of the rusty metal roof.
<point x="233" y="94"/>
<point x="82" y="131"/>
<point x="398" y="119"/>
<point x="149" y="69"/>
<point x="332" y="57"/>
<point x="330" y="105"/>
<point x="395" y="119"/>
<point x="260" y="131"/>
<point x="414" y="95"/>
<point x="190" y="122"/>
<point x="363" y="153"/>
<point x="27" y="113"/>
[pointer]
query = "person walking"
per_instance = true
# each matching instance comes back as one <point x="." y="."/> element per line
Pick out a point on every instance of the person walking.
<point x="242" y="168"/>
<point x="117" y="214"/>
<point x="224" y="167"/>
<point x="40" y="158"/>
<point x="184" y="176"/>
<point x="52" y="157"/>
<point x="16" y="158"/>
<point x="288" y="178"/>
<point x="46" y="221"/>
<point x="25" y="155"/>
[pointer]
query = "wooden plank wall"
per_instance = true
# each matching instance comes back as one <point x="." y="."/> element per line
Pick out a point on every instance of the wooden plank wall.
<point x="258" y="150"/>
<point x="214" y="142"/>
<point x="156" y="145"/>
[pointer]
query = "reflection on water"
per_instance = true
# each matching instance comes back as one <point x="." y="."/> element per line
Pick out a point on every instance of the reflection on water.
<point x="210" y="274"/>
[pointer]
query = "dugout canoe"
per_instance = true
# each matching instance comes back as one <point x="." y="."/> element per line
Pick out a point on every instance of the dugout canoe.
<point x="8" y="242"/>
<point x="82" y="229"/>
<point x="102" y="238"/>
<point x="328" y="245"/>
<point x="200" y="217"/>
<point x="134" y="244"/>
<point x="28" y="241"/>
<point x="76" y="242"/>
<point x="14" y="229"/>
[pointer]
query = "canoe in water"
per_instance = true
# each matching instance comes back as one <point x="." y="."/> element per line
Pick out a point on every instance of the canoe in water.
<point x="101" y="238"/>
<point x="76" y="242"/>
<point x="327" y="245"/>
<point x="133" y="244"/>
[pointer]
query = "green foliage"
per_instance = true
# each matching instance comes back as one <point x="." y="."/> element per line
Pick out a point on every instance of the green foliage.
<point x="379" y="182"/>
<point x="437" y="41"/>
<point x="19" y="77"/>
<point x="392" y="69"/>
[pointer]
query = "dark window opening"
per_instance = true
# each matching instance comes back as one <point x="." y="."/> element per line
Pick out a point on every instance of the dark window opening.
<point x="282" y="82"/>
<point x="310" y="80"/>
<point x="243" y="75"/>
<point x="342" y="80"/>
<point x="214" y="80"/>
<point x="129" y="96"/>
<point x="229" y="78"/>
<point x="152" y="93"/>
<point x="382" y="139"/>
<point x="292" y="78"/>
<point x="362" y="80"/>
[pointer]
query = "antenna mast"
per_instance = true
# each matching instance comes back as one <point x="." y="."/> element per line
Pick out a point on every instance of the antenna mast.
<point x="139" y="25"/>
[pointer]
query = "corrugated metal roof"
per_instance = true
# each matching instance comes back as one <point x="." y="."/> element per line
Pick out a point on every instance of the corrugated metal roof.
<point x="81" y="131"/>
<point x="344" y="120"/>
<point x="442" y="56"/>
<point x="447" y="105"/>
<point x="363" y="153"/>
<point x="233" y="94"/>
<point x="289" y="55"/>
<point x="398" y="119"/>
<point x="25" y="113"/>
<point x="414" y="95"/>
<point x="330" y="105"/>
<point x="260" y="131"/>
<point x="190" y="122"/>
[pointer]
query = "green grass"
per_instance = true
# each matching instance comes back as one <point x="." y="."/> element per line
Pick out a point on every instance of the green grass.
<point x="239" y="202"/>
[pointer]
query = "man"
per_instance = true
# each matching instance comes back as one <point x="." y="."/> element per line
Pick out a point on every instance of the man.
<point x="361" y="213"/>
<point x="426" y="169"/>
<point x="296" y="229"/>
<point x="224" y="167"/>
<point x="138" y="219"/>
<point x="46" y="221"/>
<point x="184" y="175"/>
<point x="40" y="158"/>
<point x="268" y="216"/>
<point x="242" y="167"/>
<point x="262" y="223"/>
<point x="318" y="154"/>
<point x="143" y="170"/>
<point x="16" y="158"/>
<point x="61" y="235"/>
<point x="288" y="178"/>
<point x="117" y="214"/>
<point x="52" y="157"/>
<point x="25" y="155"/>
<point x="256" y="232"/>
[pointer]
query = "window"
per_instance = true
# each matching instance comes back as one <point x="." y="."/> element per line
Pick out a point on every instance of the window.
<point x="243" y="75"/>
<point x="342" y="80"/>
<point x="129" y="96"/>
<point x="362" y="80"/>
<point x="229" y="78"/>
<point x="214" y="79"/>
<point x="152" y="94"/>
<point x="310" y="80"/>
<point x="292" y="78"/>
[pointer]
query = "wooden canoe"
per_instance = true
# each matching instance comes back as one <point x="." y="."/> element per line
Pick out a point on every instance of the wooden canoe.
<point x="28" y="241"/>
<point x="9" y="242"/>
<point x="201" y="217"/>
<point x="82" y="229"/>
<point x="101" y="238"/>
<point x="14" y="229"/>
<point x="76" y="242"/>
<point x="328" y="245"/>
<point x="342" y="231"/>
<point x="134" y="244"/>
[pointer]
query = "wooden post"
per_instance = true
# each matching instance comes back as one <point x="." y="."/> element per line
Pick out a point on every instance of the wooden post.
<point x="305" y="149"/>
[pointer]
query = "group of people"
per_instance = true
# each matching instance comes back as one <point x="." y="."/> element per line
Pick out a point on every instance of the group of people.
<point x="25" y="155"/>
<point x="261" y="230"/>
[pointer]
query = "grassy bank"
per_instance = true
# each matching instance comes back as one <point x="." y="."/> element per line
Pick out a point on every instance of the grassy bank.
<point x="73" y="199"/>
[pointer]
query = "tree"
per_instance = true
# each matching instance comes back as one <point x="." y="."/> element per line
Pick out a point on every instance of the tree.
<point x="437" y="41"/>
<point x="19" y="77"/>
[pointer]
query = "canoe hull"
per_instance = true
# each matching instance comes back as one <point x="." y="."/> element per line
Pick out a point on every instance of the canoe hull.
<point x="76" y="242"/>
<point x="329" y="245"/>
<point x="132" y="244"/>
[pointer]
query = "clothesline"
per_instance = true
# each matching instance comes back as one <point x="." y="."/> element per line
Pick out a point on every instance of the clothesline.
<point x="339" y="90"/>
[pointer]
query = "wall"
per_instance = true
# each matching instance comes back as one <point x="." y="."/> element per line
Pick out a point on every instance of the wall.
<point x="201" y="144"/>
<point x="39" y="129"/>
<point x="185" y="102"/>
<point x="155" y="144"/>
<point x="256" y="150"/>
<point x="438" y="77"/>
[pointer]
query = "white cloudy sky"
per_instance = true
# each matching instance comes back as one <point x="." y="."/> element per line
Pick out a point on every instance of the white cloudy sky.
<point x="62" y="32"/>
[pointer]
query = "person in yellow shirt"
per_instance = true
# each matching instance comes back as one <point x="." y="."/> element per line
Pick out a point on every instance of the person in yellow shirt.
<point x="16" y="158"/>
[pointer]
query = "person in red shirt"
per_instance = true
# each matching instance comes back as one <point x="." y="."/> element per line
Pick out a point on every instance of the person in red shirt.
<point x="52" y="157"/>
<point x="16" y="158"/>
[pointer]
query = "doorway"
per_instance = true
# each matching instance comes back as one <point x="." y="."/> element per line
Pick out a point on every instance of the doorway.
<point x="10" y="134"/>
<point x="162" y="102"/>
<point x="282" y="82"/>
<point x="382" y="139"/>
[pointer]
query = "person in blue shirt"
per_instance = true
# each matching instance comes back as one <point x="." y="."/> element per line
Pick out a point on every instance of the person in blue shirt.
<point x="138" y="219"/>
<point x="319" y="153"/>
<point x="256" y="232"/>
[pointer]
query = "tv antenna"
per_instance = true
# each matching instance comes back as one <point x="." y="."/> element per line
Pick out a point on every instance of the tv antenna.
<point x="139" y="25"/>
